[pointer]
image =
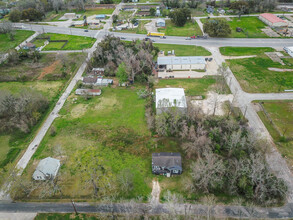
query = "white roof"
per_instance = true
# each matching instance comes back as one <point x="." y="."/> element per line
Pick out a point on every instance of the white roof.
<point x="47" y="168"/>
<point x="169" y="97"/>
<point x="181" y="60"/>
<point x="160" y="20"/>
<point x="78" y="22"/>
<point x="289" y="48"/>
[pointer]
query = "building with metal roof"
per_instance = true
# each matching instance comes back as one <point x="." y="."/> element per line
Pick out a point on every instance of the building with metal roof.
<point x="166" y="163"/>
<point x="102" y="16"/>
<point x="160" y="22"/>
<point x="93" y="92"/>
<point x="47" y="169"/>
<point x="170" y="97"/>
<point x="182" y="63"/>
<point x="272" y="20"/>
<point x="289" y="50"/>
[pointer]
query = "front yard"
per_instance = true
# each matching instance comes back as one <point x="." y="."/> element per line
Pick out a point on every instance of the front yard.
<point x="189" y="29"/>
<point x="183" y="50"/>
<point x="244" y="51"/>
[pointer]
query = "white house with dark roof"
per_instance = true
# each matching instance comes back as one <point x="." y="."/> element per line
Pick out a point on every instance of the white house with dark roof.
<point x="170" y="97"/>
<point x="182" y="63"/>
<point x="47" y="169"/>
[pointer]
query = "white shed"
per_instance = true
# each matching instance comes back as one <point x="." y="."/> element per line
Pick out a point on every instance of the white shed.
<point x="160" y="22"/>
<point x="47" y="169"/>
<point x="170" y="97"/>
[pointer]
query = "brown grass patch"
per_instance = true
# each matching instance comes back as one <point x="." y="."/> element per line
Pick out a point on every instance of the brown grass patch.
<point x="49" y="69"/>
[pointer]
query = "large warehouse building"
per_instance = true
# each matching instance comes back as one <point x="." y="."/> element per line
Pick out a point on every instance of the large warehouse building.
<point x="170" y="97"/>
<point x="182" y="63"/>
<point x="272" y="20"/>
<point x="289" y="50"/>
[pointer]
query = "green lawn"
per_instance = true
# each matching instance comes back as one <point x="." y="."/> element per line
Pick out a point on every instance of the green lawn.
<point x="281" y="113"/>
<point x="243" y="51"/>
<point x="189" y="29"/>
<point x="254" y="76"/>
<point x="20" y="36"/>
<point x="192" y="87"/>
<point x="251" y="27"/>
<point x="74" y="42"/>
<point x="183" y="50"/>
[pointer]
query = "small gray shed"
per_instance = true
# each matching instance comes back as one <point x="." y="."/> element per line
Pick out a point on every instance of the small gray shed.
<point x="166" y="163"/>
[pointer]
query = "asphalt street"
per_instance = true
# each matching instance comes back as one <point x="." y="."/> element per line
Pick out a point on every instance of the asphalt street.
<point x="211" y="42"/>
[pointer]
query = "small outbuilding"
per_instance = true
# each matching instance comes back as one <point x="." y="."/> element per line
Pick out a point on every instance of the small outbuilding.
<point x="98" y="71"/>
<point x="47" y="169"/>
<point x="29" y="46"/>
<point x="69" y="15"/>
<point x="289" y="50"/>
<point x="272" y="20"/>
<point x="166" y="164"/>
<point x="182" y="63"/>
<point x="96" y="81"/>
<point x="101" y="16"/>
<point x="170" y="97"/>
<point x="160" y="22"/>
<point x="78" y="23"/>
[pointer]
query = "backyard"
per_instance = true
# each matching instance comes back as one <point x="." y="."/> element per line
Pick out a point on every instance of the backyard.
<point x="189" y="29"/>
<point x="74" y="42"/>
<point x="254" y="76"/>
<point x="183" y="50"/>
<point x="19" y="37"/>
<point x="279" y="122"/>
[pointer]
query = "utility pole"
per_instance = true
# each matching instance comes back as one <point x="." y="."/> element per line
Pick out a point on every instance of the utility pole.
<point x="73" y="204"/>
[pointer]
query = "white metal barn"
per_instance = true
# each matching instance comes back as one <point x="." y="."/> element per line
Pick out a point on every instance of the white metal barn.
<point x="182" y="63"/>
<point x="47" y="169"/>
<point x="170" y="97"/>
<point x="289" y="50"/>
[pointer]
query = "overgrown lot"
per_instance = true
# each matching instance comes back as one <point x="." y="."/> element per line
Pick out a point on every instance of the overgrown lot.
<point x="140" y="29"/>
<point x="189" y="29"/>
<point x="279" y="122"/>
<point x="244" y="51"/>
<point x="254" y="76"/>
<point x="183" y="50"/>
<point x="20" y="35"/>
<point x="74" y="42"/>
<point x="48" y="67"/>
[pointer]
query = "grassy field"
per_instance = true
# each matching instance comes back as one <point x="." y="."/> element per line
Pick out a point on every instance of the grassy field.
<point x="243" y="51"/>
<point x="74" y="42"/>
<point x="254" y="76"/>
<point x="251" y="27"/>
<point x="187" y="30"/>
<point x="49" y="65"/>
<point x="281" y="114"/>
<point x="139" y="30"/>
<point x="183" y="50"/>
<point x="20" y="36"/>
<point x="192" y="87"/>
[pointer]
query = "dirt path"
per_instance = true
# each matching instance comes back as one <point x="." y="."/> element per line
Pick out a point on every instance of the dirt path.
<point x="155" y="195"/>
<point x="49" y="69"/>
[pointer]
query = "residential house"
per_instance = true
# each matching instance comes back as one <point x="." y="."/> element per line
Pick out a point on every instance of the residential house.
<point x="47" y="169"/>
<point x="167" y="98"/>
<point x="29" y="46"/>
<point x="160" y="22"/>
<point x="78" y="23"/>
<point x="96" y="81"/>
<point x="69" y="15"/>
<point x="92" y="92"/>
<point x="166" y="164"/>
<point x="100" y="17"/>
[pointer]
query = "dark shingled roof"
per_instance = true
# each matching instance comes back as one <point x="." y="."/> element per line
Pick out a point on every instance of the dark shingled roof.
<point x="166" y="159"/>
<point x="89" y="79"/>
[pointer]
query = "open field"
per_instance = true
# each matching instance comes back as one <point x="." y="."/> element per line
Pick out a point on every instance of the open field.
<point x="20" y="36"/>
<point x="74" y="42"/>
<point x="183" y="50"/>
<point x="187" y="30"/>
<point x="281" y="128"/>
<point x="192" y="87"/>
<point x="251" y="27"/>
<point x="254" y="76"/>
<point x="49" y="66"/>
<point x="244" y="51"/>
<point x="138" y="30"/>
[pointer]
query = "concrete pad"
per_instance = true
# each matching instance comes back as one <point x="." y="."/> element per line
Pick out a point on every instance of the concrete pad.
<point x="17" y="216"/>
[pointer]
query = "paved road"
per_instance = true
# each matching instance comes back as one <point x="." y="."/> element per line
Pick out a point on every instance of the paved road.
<point x="139" y="208"/>
<point x="211" y="42"/>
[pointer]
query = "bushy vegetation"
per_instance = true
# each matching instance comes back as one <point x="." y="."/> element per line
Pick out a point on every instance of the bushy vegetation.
<point x="217" y="28"/>
<point x="229" y="159"/>
<point x="137" y="56"/>
<point x="7" y="42"/>
<point x="21" y="112"/>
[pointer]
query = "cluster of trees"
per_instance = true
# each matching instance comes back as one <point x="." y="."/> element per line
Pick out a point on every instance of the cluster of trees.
<point x="14" y="56"/>
<point x="21" y="112"/>
<point x="251" y="6"/>
<point x="30" y="14"/>
<point x="134" y="59"/>
<point x="180" y="16"/>
<point x="217" y="28"/>
<point x="228" y="157"/>
<point x="182" y="4"/>
<point x="7" y="28"/>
